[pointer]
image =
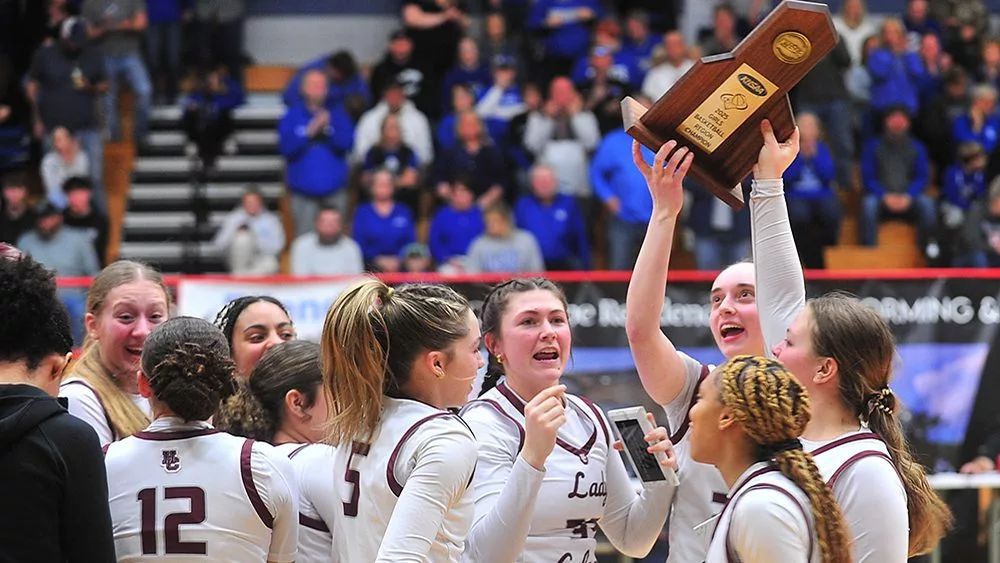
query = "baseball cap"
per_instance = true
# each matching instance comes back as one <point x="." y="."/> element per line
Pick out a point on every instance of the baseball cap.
<point x="415" y="250"/>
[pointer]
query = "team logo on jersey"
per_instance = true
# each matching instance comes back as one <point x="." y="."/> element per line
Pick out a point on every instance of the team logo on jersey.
<point x="170" y="462"/>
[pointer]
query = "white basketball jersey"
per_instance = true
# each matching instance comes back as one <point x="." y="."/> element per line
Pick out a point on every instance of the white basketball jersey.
<point x="315" y="539"/>
<point x="836" y="456"/>
<point x="182" y="491"/>
<point x="763" y="478"/>
<point x="355" y="487"/>
<point x="702" y="491"/>
<point x="573" y="493"/>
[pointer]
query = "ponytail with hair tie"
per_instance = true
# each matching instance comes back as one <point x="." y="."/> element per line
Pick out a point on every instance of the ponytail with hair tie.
<point x="772" y="450"/>
<point x="883" y="400"/>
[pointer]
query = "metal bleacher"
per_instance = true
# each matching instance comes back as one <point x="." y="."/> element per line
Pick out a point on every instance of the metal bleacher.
<point x="160" y="219"/>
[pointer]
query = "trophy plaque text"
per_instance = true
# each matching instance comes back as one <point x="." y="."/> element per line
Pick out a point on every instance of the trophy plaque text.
<point x="715" y="109"/>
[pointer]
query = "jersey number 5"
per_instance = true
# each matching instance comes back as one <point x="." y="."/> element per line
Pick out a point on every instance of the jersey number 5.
<point x="172" y="522"/>
<point x="354" y="478"/>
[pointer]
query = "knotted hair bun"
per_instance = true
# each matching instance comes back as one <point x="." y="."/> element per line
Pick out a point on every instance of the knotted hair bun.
<point x="189" y="368"/>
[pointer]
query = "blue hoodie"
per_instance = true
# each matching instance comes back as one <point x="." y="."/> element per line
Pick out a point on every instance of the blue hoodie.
<point x="613" y="174"/>
<point x="811" y="178"/>
<point x="987" y="136"/>
<point x="383" y="236"/>
<point x="624" y="69"/>
<point x="572" y="38"/>
<point x="961" y="188"/>
<point x="316" y="166"/>
<point x="479" y="79"/>
<point x="558" y="226"/>
<point x="896" y="80"/>
<point x="336" y="93"/>
<point x="452" y="232"/>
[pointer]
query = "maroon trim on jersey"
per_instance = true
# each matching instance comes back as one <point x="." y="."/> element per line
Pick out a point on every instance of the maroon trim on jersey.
<point x="600" y="418"/>
<point x="390" y="473"/>
<point x="251" y="488"/>
<point x="856" y="458"/>
<point x="719" y="498"/>
<point x="175" y="434"/>
<point x="582" y="452"/>
<point x="297" y="451"/>
<point x="782" y="490"/>
<point x="736" y="491"/>
<point x="683" y="428"/>
<point x="313" y="523"/>
<point x="107" y="417"/>
<point x="104" y="449"/>
<point x="499" y="409"/>
<point x="846" y="440"/>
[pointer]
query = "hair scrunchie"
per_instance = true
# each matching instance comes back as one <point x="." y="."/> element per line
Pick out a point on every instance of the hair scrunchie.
<point x="883" y="400"/>
<point x="776" y="448"/>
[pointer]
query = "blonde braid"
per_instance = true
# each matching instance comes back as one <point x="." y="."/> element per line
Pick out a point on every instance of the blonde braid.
<point x="773" y="408"/>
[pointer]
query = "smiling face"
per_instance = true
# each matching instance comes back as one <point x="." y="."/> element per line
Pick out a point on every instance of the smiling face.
<point x="797" y="353"/>
<point x="734" y="321"/>
<point x="534" y="341"/>
<point x="259" y="326"/>
<point x="129" y="313"/>
<point x="704" y="430"/>
<point x="462" y="361"/>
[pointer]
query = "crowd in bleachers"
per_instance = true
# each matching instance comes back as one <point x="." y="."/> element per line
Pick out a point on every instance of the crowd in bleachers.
<point x="491" y="140"/>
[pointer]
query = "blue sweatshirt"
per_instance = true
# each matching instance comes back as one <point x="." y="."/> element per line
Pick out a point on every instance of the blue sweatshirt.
<point x="316" y="166"/>
<point x="478" y="79"/>
<point x="336" y="93"/>
<point x="572" y="38"/>
<point x="895" y="80"/>
<point x="961" y="188"/>
<point x="232" y="98"/>
<point x="987" y="136"/>
<point x="166" y="11"/>
<point x="624" y="68"/>
<point x="613" y="174"/>
<point x="452" y="232"/>
<point x="383" y="236"/>
<point x="811" y="178"/>
<point x="558" y="226"/>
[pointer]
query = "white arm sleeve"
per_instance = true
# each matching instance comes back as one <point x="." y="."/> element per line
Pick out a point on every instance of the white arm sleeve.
<point x="505" y="488"/>
<point x="780" y="286"/>
<point x="631" y="521"/>
<point x="274" y="478"/>
<point x="873" y="502"/>
<point x="767" y="527"/>
<point x="84" y="404"/>
<point x="444" y="461"/>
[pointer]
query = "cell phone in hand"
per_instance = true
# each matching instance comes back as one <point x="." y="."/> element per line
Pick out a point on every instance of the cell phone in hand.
<point x="632" y="426"/>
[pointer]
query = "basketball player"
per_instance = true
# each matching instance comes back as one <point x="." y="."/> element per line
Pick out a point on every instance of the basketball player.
<point x="748" y="415"/>
<point x="180" y="487"/>
<point x="670" y="377"/>
<point x="126" y="301"/>
<point x="252" y="324"/>
<point x="396" y="486"/>
<point x="282" y="403"/>
<point x="547" y="477"/>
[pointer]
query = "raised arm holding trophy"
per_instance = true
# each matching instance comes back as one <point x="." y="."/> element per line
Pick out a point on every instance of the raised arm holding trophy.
<point x="715" y="109"/>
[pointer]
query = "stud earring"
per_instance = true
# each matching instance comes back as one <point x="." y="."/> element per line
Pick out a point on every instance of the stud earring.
<point x="500" y="358"/>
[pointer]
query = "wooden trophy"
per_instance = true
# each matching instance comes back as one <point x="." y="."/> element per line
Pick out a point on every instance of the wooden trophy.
<point x="715" y="109"/>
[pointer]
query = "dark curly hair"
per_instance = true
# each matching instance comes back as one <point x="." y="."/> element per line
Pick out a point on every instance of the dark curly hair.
<point x="226" y="318"/>
<point x="33" y="322"/>
<point x="258" y="407"/>
<point x="187" y="363"/>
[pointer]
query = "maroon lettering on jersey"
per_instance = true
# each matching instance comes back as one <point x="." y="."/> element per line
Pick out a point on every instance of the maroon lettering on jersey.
<point x="595" y="489"/>
<point x="170" y="462"/>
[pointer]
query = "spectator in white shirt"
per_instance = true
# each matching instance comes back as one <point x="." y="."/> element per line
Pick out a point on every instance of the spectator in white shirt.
<point x="251" y="237"/>
<point x="667" y="72"/>
<point x="412" y="122"/>
<point x="326" y="251"/>
<point x="64" y="161"/>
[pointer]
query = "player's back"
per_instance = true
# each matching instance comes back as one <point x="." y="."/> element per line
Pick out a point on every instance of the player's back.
<point x="190" y="492"/>
<point x="368" y="479"/>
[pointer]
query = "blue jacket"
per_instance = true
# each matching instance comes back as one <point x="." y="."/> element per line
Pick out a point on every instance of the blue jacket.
<point x="232" y="98"/>
<point x="963" y="188"/>
<point x="559" y="227"/>
<point x="624" y="68"/>
<point x="642" y="52"/>
<point x="811" y="178"/>
<point x="383" y="236"/>
<point x="479" y="79"/>
<point x="987" y="136"/>
<point x="895" y="80"/>
<point x="870" y="172"/>
<point x="316" y="166"/>
<point x="572" y="38"/>
<point x="166" y="11"/>
<point x="452" y="231"/>
<point x="613" y="174"/>
<point x="336" y="93"/>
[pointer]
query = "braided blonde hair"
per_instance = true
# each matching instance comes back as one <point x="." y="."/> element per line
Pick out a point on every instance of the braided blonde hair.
<point x="772" y="407"/>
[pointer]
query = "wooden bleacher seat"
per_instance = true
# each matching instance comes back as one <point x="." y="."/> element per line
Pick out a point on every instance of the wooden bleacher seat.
<point x="897" y="248"/>
<point x="267" y="78"/>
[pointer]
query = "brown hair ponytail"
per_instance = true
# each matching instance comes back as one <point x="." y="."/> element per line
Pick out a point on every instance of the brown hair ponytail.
<point x="863" y="347"/>
<point x="772" y="407"/>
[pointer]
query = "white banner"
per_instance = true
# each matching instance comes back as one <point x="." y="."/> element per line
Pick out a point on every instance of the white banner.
<point x="307" y="301"/>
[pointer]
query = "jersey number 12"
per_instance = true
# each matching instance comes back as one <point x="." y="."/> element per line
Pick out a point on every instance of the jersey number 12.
<point x="172" y="522"/>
